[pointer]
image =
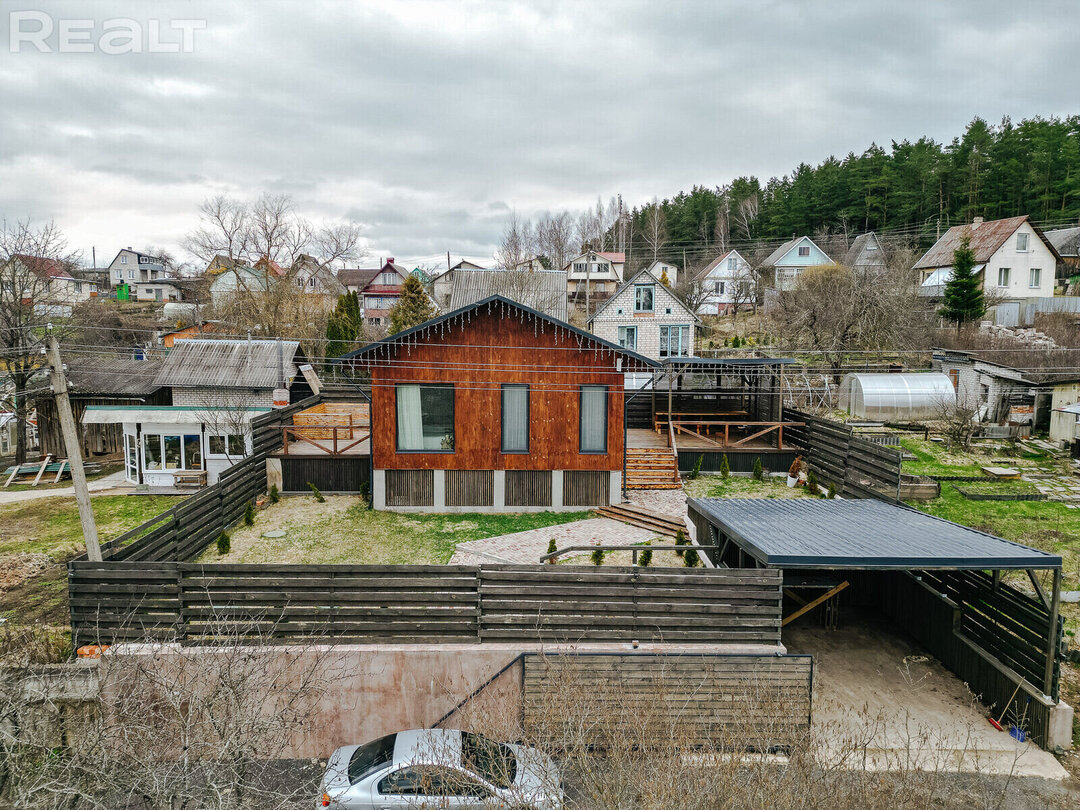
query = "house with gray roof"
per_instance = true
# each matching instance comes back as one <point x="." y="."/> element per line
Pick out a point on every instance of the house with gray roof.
<point x="1067" y="243"/>
<point x="542" y="290"/>
<point x="217" y="387"/>
<point x="790" y="259"/>
<point x="865" y="254"/>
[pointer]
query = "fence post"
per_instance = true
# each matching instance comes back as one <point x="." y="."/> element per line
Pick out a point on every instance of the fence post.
<point x="181" y="617"/>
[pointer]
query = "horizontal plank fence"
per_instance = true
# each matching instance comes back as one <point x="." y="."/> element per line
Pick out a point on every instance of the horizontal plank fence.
<point x="857" y="467"/>
<point x="181" y="533"/>
<point x="739" y="702"/>
<point x="924" y="604"/>
<point x="193" y="604"/>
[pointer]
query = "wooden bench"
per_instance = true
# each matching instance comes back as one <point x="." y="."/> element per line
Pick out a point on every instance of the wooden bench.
<point x="189" y="478"/>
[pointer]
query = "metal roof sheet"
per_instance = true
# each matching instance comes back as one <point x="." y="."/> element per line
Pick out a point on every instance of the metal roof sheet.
<point x="861" y="534"/>
<point x="217" y="363"/>
<point x="542" y="290"/>
<point x="986" y="238"/>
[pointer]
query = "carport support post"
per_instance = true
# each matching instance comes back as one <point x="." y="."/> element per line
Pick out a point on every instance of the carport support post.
<point x="1052" y="641"/>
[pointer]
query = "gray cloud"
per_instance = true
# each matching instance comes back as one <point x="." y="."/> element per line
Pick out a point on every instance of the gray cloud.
<point x="429" y="121"/>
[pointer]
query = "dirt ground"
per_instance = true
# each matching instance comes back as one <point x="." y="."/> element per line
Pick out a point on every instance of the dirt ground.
<point x="874" y="685"/>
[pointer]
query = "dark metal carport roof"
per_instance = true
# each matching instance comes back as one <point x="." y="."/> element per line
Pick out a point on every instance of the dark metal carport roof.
<point x="860" y="534"/>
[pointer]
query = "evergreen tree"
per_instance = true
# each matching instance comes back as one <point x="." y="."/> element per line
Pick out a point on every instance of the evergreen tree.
<point x="413" y="307"/>
<point x="345" y="325"/>
<point x="963" y="292"/>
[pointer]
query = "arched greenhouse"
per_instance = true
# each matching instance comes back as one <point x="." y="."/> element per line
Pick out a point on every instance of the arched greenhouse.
<point x="896" y="397"/>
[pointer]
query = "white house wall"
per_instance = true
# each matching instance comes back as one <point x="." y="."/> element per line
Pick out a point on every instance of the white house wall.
<point x="1020" y="264"/>
<point x="606" y="324"/>
<point x="718" y="303"/>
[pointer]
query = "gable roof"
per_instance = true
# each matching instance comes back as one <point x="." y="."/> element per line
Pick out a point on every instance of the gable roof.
<point x="787" y="247"/>
<point x="358" y="277"/>
<point x="634" y="280"/>
<point x="613" y="256"/>
<point x="43" y="267"/>
<point x="542" y="290"/>
<point x="986" y="239"/>
<point x="858" y="247"/>
<point x="210" y="363"/>
<point x="719" y="260"/>
<point x="1065" y="240"/>
<point x="393" y="340"/>
<point x="141" y="255"/>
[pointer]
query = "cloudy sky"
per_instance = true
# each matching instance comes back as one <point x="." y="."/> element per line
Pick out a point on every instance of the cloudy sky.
<point x="428" y="121"/>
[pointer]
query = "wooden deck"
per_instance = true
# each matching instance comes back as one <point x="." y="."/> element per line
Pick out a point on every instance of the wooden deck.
<point x="638" y="438"/>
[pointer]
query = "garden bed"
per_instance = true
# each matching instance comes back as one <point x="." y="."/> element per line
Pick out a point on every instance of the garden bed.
<point x="994" y="490"/>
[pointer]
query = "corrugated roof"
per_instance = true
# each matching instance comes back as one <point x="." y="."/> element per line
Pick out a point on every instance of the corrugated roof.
<point x="210" y="363"/>
<point x="986" y="238"/>
<point x="542" y="290"/>
<point x="114" y="376"/>
<point x="855" y="255"/>
<point x="861" y="534"/>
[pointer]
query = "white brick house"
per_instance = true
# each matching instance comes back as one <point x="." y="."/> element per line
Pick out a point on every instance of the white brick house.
<point x="645" y="316"/>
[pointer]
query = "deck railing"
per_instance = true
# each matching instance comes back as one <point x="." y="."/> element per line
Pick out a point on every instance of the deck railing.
<point x="702" y="428"/>
<point x="304" y="434"/>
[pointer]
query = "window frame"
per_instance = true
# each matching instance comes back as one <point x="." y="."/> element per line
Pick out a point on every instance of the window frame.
<point x="1034" y="278"/>
<point x="453" y="418"/>
<point x="638" y="309"/>
<point x="622" y="334"/>
<point x="581" y="419"/>
<point x="502" y="419"/>
<point x="804" y="250"/>
<point x="1007" y="271"/>
<point x="1027" y="243"/>
<point x="665" y="345"/>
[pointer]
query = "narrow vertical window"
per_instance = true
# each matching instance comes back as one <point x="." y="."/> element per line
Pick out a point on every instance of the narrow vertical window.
<point x="515" y="419"/>
<point x="593" y="426"/>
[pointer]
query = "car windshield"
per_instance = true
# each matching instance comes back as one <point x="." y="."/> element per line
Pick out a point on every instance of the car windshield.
<point x="493" y="761"/>
<point x="370" y="757"/>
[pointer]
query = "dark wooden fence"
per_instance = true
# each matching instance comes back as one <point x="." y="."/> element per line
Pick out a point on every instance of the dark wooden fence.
<point x="939" y="609"/>
<point x="193" y="603"/>
<point x="857" y="467"/>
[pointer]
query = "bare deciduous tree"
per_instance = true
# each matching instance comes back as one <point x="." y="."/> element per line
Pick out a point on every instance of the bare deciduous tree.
<point x="745" y="216"/>
<point x="655" y="230"/>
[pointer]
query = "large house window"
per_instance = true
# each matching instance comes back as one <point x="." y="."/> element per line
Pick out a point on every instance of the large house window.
<point x="804" y="250"/>
<point x="674" y="341"/>
<point x="425" y="418"/>
<point x="173" y="451"/>
<point x="226" y="444"/>
<point x="643" y="297"/>
<point x="579" y="267"/>
<point x="718" y="287"/>
<point x="593" y="427"/>
<point x="1021" y="243"/>
<point x="1035" y="277"/>
<point x="1003" y="276"/>
<point x="515" y="419"/>
<point x="628" y="337"/>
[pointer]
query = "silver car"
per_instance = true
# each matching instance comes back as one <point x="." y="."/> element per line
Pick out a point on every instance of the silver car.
<point x="440" y="768"/>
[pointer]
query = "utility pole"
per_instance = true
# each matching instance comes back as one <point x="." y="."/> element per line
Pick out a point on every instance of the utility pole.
<point x="588" y="258"/>
<point x="71" y="441"/>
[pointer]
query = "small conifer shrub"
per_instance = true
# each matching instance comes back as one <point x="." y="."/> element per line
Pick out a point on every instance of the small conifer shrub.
<point x="315" y="491"/>
<point x="224" y="543"/>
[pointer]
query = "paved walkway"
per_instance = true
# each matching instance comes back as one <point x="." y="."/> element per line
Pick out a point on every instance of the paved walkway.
<point x="114" y="482"/>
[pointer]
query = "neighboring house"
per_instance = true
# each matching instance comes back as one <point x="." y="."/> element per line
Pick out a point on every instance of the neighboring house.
<point x="496" y="407"/>
<point x="1014" y="258"/>
<point x="240" y="280"/>
<point x="378" y="289"/>
<point x="542" y="290"/>
<point x="217" y="387"/>
<point x="110" y="381"/>
<point x="790" y="259"/>
<point x="1065" y="411"/>
<point x="865" y="254"/>
<point x="999" y="394"/>
<point x="48" y="284"/>
<point x="96" y="277"/>
<point x="464" y="264"/>
<point x="194" y="330"/>
<point x="530" y="265"/>
<point x="314" y="278"/>
<point x="9" y="437"/>
<point x="1067" y="243"/>
<point x="441" y="288"/>
<point x="644" y="316"/>
<point x="141" y="277"/>
<point x="601" y="272"/>
<point x="719" y="278"/>
<point x="659" y="268"/>
<point x="219" y="264"/>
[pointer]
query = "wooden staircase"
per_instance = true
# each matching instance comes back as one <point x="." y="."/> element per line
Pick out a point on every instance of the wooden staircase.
<point x="643" y="518"/>
<point x="651" y="468"/>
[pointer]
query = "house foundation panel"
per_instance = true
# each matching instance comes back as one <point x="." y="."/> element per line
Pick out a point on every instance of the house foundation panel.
<point x="494" y="490"/>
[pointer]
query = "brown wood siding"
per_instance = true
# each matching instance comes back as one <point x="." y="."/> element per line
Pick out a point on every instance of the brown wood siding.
<point x="488" y="353"/>
<point x="586" y="488"/>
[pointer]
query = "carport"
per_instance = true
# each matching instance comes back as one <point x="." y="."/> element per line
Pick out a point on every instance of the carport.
<point x="939" y="582"/>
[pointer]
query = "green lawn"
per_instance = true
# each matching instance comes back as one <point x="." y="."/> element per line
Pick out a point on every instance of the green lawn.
<point x="933" y="458"/>
<point x="342" y="530"/>
<point x="714" y="486"/>
<point x="37" y="537"/>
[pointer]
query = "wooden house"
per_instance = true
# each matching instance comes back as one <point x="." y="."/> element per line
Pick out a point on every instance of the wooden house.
<point x="119" y="382"/>
<point x="790" y="260"/>
<point x="496" y="407"/>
